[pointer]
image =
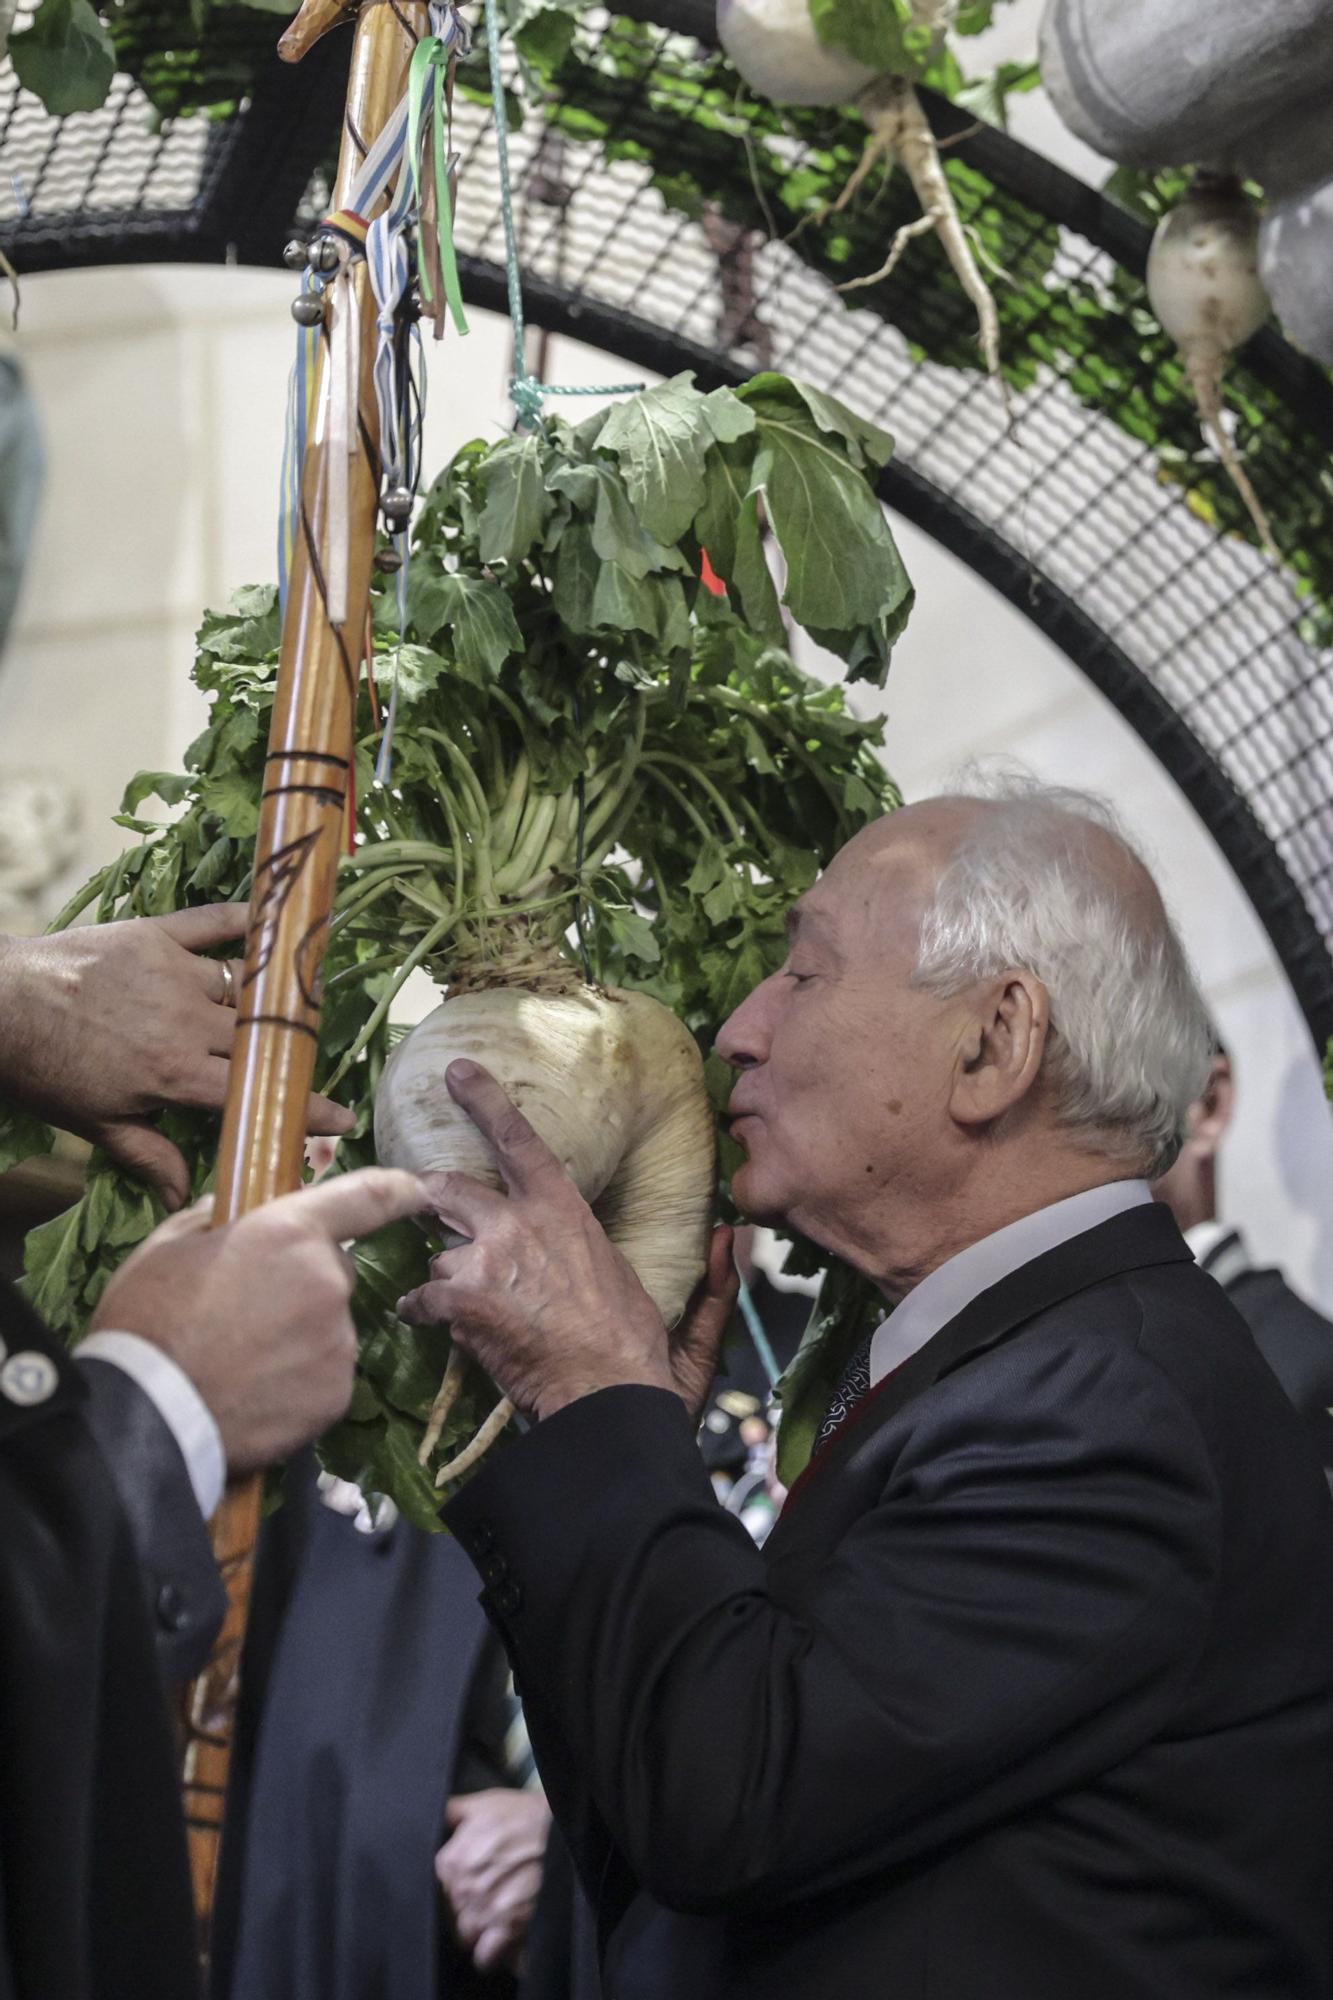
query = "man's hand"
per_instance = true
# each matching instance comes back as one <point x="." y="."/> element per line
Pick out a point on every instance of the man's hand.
<point x="490" y="1870"/>
<point x="106" y="1024"/>
<point x="256" y="1313"/>
<point x="539" y="1295"/>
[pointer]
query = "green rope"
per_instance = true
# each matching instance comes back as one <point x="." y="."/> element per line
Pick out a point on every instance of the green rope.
<point x="526" y="392"/>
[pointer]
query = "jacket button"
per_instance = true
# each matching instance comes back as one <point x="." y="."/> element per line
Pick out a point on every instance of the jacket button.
<point x="172" y="1615"/>
<point x="29" y="1378"/>
<point x="507" y="1597"/>
<point x="483" y="1537"/>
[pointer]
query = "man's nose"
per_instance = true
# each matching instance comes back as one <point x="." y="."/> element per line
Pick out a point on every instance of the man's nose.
<point x="743" y="1038"/>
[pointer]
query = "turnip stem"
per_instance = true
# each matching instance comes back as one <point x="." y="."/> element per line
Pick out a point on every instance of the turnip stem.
<point x="527" y="855"/>
<point x="504" y="828"/>
<point x="609" y="804"/>
<point x="477" y="798"/>
<point x="423" y="947"/>
<point x="454" y="1468"/>
<point x="445" y="1398"/>
<point x="700" y="778"/>
<point x="673" y="791"/>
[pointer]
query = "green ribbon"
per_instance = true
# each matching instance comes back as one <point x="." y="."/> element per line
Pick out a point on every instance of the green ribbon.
<point x="431" y="61"/>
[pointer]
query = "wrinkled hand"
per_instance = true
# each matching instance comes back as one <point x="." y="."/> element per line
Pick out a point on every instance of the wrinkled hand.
<point x="539" y="1295"/>
<point x="490" y="1870"/>
<point x="257" y="1312"/>
<point x="106" y="1024"/>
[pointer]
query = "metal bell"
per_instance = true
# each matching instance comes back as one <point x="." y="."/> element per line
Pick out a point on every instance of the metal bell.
<point x="387" y="560"/>
<point x="396" y="506"/>
<point x="322" y="254"/>
<point x="308" y="309"/>
<point x="294" y="255"/>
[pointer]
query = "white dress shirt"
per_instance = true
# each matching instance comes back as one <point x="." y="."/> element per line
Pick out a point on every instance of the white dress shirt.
<point x="178" y="1403"/>
<point x="940" y="1297"/>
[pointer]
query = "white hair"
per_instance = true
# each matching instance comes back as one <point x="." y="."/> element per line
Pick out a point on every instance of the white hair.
<point x="1036" y="884"/>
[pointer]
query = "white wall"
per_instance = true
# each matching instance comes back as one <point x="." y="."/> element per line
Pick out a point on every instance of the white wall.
<point x="162" y="394"/>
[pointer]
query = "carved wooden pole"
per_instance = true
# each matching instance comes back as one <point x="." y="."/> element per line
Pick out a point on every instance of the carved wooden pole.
<point x="301" y="838"/>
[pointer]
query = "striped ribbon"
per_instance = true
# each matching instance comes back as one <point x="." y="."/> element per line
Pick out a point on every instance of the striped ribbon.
<point x="384" y="245"/>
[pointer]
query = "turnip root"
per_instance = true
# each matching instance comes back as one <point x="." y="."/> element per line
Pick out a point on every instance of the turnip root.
<point x="613" y="1082"/>
<point x="1204" y="287"/>
<point x="774" y="45"/>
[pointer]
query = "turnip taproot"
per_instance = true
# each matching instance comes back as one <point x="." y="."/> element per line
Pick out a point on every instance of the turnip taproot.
<point x="612" y="1081"/>
<point x="1204" y="287"/>
<point x="777" y="50"/>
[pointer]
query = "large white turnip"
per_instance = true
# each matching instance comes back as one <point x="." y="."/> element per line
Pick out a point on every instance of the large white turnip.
<point x="612" y="1081"/>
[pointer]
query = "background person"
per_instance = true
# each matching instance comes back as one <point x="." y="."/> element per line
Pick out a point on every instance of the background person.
<point x="1031" y="1688"/>
<point x="212" y="1352"/>
<point x="1294" y="1339"/>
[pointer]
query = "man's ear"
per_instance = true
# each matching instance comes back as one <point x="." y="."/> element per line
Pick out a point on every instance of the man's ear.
<point x="1003" y="1044"/>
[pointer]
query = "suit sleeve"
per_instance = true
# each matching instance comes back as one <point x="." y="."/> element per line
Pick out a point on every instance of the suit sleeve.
<point x="1021" y="1609"/>
<point x="186" y="1597"/>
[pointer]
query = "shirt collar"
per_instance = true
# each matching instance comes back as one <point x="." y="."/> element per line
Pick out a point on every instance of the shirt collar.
<point x="1204" y="1237"/>
<point x="940" y="1297"/>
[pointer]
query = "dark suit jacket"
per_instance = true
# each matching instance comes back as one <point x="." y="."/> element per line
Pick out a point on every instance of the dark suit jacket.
<point x="94" y="1887"/>
<point x="1030" y="1693"/>
<point x="360" y="1685"/>
<point x="1295" y="1340"/>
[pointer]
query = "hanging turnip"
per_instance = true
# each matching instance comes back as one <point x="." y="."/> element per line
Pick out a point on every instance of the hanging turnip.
<point x="776" y="48"/>
<point x="613" y="1083"/>
<point x="1204" y="287"/>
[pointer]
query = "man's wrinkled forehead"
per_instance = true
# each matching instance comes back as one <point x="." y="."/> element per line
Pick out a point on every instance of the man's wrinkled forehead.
<point x="875" y="891"/>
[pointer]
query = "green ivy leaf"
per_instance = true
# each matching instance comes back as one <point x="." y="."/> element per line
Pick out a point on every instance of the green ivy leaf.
<point x="515" y="509"/>
<point x="477" y="615"/>
<point x="632" y="934"/>
<point x="169" y="786"/>
<point x="65" y="58"/>
<point x="661" y="439"/>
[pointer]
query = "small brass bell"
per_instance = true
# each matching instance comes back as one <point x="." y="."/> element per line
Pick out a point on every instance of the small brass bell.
<point x="396" y="506"/>
<point x="387" y="560"/>
<point x="308" y="309"/>
<point x="294" y="255"/>
<point x="322" y="254"/>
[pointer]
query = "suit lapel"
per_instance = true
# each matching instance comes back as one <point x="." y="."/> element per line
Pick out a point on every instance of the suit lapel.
<point x="1134" y="1240"/>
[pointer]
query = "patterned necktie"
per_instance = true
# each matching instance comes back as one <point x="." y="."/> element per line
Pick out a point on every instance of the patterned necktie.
<point x="854" y="1384"/>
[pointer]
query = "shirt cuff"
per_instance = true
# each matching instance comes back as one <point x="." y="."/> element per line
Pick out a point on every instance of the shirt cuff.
<point x="178" y="1403"/>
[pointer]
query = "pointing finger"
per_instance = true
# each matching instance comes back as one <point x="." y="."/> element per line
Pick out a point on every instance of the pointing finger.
<point x="352" y="1205"/>
<point x="524" y="1157"/>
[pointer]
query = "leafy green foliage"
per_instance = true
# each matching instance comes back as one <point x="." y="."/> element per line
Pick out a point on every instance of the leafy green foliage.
<point x="65" y="57"/>
<point x="716" y="779"/>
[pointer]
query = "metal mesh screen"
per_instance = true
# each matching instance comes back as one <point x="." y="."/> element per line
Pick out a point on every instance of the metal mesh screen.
<point x="1101" y="495"/>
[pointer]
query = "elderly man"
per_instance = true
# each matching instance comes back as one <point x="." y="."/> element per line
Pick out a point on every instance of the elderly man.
<point x="1031" y="1690"/>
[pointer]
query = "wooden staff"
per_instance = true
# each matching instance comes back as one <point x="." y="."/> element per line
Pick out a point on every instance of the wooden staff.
<point x="300" y="842"/>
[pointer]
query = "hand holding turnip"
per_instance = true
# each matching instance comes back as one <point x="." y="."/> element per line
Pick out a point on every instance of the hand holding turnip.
<point x="539" y="1296"/>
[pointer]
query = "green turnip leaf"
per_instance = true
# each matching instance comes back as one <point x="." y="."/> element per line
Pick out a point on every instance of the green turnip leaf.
<point x="65" y="57"/>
